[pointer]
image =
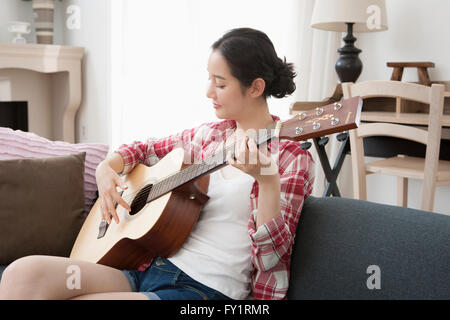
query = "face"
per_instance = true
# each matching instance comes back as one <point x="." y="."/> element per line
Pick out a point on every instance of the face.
<point x="224" y="89"/>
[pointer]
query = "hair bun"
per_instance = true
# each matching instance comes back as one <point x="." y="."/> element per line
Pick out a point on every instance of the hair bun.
<point x="283" y="83"/>
<point x="250" y="54"/>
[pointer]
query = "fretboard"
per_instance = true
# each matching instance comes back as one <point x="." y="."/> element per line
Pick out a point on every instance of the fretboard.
<point x="205" y="166"/>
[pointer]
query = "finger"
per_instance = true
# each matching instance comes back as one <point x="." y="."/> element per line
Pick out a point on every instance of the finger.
<point x="253" y="151"/>
<point x="102" y="208"/>
<point x="230" y="159"/>
<point x="264" y="156"/>
<point x="111" y="211"/>
<point x="237" y="150"/>
<point x="121" y="201"/>
<point x="242" y="150"/>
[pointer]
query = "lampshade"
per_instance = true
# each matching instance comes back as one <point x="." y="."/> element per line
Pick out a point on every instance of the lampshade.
<point x="367" y="15"/>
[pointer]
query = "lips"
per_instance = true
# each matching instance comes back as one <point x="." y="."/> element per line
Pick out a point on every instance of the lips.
<point x="216" y="106"/>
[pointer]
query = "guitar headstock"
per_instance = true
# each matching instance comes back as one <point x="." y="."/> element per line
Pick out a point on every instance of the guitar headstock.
<point x="332" y="118"/>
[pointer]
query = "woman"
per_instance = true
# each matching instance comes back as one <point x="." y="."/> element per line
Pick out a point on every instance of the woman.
<point x="241" y="245"/>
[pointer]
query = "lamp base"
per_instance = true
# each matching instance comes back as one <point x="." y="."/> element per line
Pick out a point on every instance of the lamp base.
<point x="348" y="66"/>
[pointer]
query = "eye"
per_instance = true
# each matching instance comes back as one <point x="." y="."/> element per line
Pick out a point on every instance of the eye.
<point x="220" y="87"/>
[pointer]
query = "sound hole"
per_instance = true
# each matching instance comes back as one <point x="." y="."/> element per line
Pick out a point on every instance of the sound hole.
<point x="140" y="200"/>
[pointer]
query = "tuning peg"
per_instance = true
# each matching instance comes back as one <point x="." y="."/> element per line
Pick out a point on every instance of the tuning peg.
<point x="342" y="136"/>
<point x="323" y="141"/>
<point x="305" y="145"/>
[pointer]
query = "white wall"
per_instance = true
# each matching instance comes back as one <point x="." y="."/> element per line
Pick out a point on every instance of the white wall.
<point x="93" y="121"/>
<point x="418" y="31"/>
<point x="18" y="10"/>
<point x="93" y="118"/>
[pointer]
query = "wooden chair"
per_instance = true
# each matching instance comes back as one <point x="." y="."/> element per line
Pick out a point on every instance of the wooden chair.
<point x="430" y="169"/>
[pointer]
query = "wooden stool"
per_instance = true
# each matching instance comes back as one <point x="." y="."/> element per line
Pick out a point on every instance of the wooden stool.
<point x="422" y="71"/>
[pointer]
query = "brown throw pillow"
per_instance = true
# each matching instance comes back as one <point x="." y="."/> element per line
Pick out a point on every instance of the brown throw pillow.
<point x="41" y="205"/>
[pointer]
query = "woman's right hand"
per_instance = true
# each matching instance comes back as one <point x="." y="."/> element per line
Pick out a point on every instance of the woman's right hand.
<point x="107" y="182"/>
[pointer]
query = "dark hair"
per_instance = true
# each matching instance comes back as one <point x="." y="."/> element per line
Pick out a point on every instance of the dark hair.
<point x="250" y="54"/>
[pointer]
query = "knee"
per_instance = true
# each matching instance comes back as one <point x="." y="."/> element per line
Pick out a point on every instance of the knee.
<point x="20" y="279"/>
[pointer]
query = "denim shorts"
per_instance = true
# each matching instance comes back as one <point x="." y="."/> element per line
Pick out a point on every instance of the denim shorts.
<point x="162" y="280"/>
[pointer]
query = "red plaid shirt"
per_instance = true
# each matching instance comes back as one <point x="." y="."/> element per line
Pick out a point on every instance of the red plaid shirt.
<point x="271" y="242"/>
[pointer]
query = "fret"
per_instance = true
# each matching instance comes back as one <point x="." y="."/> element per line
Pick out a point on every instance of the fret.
<point x="152" y="193"/>
<point x="157" y="192"/>
<point x="163" y="186"/>
<point x="197" y="169"/>
<point x="170" y="182"/>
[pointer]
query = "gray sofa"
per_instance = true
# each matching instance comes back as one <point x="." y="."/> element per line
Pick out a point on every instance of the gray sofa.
<point x="352" y="249"/>
<point x="347" y="249"/>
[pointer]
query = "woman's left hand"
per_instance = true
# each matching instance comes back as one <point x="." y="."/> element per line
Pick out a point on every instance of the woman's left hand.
<point x="256" y="162"/>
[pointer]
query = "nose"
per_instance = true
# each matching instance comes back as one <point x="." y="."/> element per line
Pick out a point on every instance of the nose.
<point x="210" y="92"/>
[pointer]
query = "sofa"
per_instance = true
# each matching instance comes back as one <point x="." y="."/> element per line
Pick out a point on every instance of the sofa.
<point x="354" y="249"/>
<point x="344" y="248"/>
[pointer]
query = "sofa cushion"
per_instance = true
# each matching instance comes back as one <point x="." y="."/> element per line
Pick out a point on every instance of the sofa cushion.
<point x="41" y="205"/>
<point x="16" y="144"/>
<point x="340" y="243"/>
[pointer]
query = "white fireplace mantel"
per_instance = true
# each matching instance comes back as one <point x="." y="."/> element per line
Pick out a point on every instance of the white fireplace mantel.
<point x="54" y="104"/>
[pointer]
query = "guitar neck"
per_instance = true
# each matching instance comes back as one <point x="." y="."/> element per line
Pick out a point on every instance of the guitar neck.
<point x="339" y="116"/>
<point x="206" y="166"/>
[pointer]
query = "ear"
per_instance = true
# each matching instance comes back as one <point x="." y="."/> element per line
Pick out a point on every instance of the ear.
<point x="257" y="88"/>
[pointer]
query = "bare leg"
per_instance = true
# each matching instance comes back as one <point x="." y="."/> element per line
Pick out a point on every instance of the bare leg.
<point x="48" y="277"/>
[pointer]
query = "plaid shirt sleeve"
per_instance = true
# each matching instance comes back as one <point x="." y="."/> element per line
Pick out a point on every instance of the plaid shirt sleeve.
<point x="152" y="150"/>
<point x="272" y="242"/>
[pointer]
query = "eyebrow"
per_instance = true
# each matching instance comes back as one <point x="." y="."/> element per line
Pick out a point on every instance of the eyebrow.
<point x="220" y="77"/>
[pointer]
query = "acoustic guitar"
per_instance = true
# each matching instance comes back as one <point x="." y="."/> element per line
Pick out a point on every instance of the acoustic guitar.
<point x="166" y="199"/>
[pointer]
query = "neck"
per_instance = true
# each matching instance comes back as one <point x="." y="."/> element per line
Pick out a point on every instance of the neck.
<point x="255" y="116"/>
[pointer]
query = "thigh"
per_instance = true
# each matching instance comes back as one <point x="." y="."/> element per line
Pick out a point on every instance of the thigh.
<point x="51" y="277"/>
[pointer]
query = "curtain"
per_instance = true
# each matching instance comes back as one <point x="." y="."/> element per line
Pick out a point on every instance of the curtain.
<point x="317" y="56"/>
<point x="159" y="53"/>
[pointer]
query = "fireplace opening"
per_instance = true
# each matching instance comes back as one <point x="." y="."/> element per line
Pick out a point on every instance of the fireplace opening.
<point x="14" y="115"/>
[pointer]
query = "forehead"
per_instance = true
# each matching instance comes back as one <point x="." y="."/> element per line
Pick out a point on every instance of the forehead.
<point x="218" y="66"/>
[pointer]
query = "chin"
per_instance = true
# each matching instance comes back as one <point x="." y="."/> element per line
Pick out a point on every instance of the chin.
<point x="220" y="114"/>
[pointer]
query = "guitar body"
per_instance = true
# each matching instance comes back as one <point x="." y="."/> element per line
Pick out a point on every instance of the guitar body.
<point x="157" y="229"/>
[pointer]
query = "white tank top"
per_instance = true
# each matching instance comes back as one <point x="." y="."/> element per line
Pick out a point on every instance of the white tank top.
<point x="218" y="250"/>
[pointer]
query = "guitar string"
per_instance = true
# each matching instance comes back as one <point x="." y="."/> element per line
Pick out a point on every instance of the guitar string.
<point x="185" y="171"/>
<point x="188" y="170"/>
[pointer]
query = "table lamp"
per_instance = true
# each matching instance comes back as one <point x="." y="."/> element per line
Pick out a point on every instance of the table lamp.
<point x="351" y="16"/>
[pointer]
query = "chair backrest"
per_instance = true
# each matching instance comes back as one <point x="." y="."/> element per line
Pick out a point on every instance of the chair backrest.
<point x="433" y="96"/>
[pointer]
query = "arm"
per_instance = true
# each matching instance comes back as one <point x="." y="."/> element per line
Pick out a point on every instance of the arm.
<point x="114" y="161"/>
<point x="151" y="151"/>
<point x="268" y="200"/>
<point x="123" y="160"/>
<point x="272" y="231"/>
